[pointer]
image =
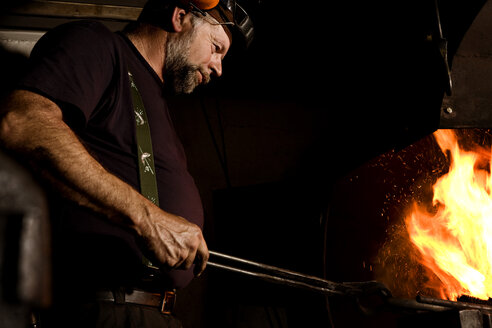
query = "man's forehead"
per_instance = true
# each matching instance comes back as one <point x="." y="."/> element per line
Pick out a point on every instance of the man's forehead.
<point x="223" y="18"/>
<point x="219" y="32"/>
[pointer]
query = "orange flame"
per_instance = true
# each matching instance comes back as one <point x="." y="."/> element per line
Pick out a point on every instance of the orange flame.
<point x="455" y="238"/>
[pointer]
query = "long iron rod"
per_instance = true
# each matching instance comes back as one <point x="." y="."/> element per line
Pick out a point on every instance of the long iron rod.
<point x="273" y="269"/>
<point x="277" y="279"/>
<point x="295" y="279"/>
<point x="454" y="304"/>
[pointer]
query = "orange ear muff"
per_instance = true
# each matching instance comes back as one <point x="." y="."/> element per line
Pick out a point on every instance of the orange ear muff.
<point x="205" y="4"/>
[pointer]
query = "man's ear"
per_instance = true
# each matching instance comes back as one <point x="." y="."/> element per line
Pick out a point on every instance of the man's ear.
<point x="177" y="19"/>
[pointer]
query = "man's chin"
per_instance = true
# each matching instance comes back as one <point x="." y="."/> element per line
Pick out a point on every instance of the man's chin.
<point x="187" y="83"/>
<point x="180" y="88"/>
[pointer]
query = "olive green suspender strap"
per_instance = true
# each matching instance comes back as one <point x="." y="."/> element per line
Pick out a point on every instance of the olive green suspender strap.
<point x="145" y="156"/>
<point x="146" y="169"/>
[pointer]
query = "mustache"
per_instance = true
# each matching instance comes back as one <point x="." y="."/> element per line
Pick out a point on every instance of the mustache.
<point x="205" y="74"/>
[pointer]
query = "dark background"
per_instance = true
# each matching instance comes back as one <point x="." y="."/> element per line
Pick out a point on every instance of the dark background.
<point x="300" y="151"/>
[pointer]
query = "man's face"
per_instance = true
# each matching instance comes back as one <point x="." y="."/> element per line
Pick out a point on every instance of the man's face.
<point x="193" y="56"/>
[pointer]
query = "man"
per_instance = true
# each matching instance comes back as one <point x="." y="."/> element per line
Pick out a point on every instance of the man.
<point x="74" y="118"/>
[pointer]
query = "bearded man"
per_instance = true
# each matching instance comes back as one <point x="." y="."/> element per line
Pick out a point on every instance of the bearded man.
<point x="77" y="118"/>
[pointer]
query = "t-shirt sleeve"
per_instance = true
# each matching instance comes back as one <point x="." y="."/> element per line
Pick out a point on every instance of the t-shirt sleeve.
<point x="72" y="65"/>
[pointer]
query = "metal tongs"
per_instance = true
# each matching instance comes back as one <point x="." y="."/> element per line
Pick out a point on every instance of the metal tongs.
<point x="370" y="296"/>
<point x="291" y="278"/>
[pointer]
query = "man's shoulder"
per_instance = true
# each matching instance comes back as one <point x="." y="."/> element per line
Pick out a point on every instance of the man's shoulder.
<point x="74" y="63"/>
<point x="86" y="38"/>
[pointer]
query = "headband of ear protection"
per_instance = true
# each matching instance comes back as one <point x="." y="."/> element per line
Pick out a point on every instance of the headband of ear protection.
<point x="231" y="15"/>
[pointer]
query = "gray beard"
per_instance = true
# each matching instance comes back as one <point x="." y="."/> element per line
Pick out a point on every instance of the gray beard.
<point x="179" y="75"/>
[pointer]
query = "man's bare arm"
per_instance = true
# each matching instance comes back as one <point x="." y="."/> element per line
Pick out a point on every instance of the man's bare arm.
<point x="33" y="126"/>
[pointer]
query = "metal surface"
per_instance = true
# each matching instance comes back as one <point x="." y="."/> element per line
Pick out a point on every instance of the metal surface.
<point x="25" y="262"/>
<point x="471" y="319"/>
<point x="19" y="42"/>
<point x="409" y="304"/>
<point x="454" y="304"/>
<point x="443" y="49"/>
<point x="471" y="100"/>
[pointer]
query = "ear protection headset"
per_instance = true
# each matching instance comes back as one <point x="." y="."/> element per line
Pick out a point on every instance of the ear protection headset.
<point x="241" y="22"/>
<point x="232" y="15"/>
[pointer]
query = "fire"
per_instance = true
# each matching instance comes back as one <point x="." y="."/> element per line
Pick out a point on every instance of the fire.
<point x="454" y="238"/>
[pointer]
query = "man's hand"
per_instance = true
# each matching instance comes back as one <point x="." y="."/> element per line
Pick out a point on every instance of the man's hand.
<point x="175" y="242"/>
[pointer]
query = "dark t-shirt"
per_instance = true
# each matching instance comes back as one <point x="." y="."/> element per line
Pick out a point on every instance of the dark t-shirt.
<point x="82" y="66"/>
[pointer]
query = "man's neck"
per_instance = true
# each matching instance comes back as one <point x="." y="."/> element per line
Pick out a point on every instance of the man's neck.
<point x="150" y="42"/>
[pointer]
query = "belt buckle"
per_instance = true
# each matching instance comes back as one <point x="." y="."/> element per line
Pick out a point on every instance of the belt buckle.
<point x="168" y="301"/>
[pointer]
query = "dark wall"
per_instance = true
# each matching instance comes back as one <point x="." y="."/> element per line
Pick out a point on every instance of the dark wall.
<point x="303" y="114"/>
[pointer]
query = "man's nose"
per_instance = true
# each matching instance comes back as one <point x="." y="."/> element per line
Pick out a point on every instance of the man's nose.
<point x="216" y="66"/>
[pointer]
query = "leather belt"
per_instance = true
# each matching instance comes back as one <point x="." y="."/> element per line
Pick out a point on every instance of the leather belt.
<point x="163" y="301"/>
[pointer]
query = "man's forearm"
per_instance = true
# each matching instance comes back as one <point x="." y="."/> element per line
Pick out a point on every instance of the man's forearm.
<point x="33" y="127"/>
<point x="41" y="136"/>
